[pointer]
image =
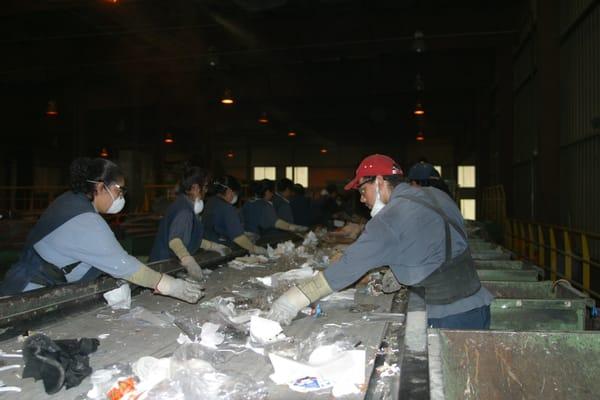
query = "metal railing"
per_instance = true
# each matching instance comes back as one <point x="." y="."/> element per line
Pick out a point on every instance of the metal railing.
<point x="562" y="251"/>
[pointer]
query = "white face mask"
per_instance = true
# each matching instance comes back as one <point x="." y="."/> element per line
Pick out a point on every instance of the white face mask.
<point x="198" y="206"/>
<point x="378" y="203"/>
<point x="117" y="204"/>
<point x="234" y="199"/>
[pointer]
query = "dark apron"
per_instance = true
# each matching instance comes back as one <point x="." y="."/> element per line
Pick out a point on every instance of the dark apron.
<point x="457" y="277"/>
<point x="31" y="267"/>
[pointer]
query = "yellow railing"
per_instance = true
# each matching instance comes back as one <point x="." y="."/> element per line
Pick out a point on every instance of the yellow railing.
<point x="493" y="204"/>
<point x="559" y="250"/>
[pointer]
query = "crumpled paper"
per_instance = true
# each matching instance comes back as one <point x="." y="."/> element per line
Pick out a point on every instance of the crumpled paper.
<point x="264" y="331"/>
<point x="119" y="298"/>
<point x="310" y="239"/>
<point x="344" y="370"/>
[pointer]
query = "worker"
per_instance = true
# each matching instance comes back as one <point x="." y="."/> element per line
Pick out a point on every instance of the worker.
<point x="71" y="242"/>
<point x="259" y="214"/>
<point x="417" y="232"/>
<point x="424" y="174"/>
<point x="300" y="205"/>
<point x="222" y="222"/>
<point x="281" y="200"/>
<point x="180" y="231"/>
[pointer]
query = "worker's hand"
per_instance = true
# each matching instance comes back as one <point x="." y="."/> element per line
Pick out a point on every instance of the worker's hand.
<point x="299" y="228"/>
<point x="287" y="306"/>
<point x="192" y="267"/>
<point x="221" y="249"/>
<point x="181" y="289"/>
<point x="261" y="251"/>
<point x="337" y="255"/>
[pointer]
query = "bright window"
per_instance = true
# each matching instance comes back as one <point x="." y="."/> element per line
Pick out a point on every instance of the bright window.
<point x="467" y="208"/>
<point x="438" y="168"/>
<point x="264" y="173"/>
<point x="297" y="175"/>
<point x="466" y="176"/>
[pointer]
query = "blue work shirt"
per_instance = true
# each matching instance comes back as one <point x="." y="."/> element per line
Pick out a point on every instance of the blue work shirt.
<point x="86" y="239"/>
<point x="301" y="210"/>
<point x="283" y="208"/>
<point x="410" y="239"/>
<point x="259" y="216"/>
<point x="221" y="221"/>
<point x="181" y="222"/>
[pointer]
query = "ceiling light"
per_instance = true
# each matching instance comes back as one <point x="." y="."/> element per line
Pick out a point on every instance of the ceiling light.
<point x="420" y="137"/>
<point x="292" y="134"/>
<point x="230" y="154"/>
<point x="419" y="110"/>
<point x="323" y="151"/>
<point x="263" y="119"/>
<point x="418" y="44"/>
<point x="52" y="109"/>
<point x="227" y="97"/>
<point x="169" y="139"/>
<point x="104" y="153"/>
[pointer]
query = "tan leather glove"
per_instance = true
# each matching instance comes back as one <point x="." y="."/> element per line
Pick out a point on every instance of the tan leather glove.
<point x="212" y="246"/>
<point x="245" y="243"/>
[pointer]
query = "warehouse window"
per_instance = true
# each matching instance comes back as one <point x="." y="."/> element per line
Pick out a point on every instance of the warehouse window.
<point x="438" y="168"/>
<point x="297" y="175"/>
<point x="466" y="176"/>
<point x="264" y="173"/>
<point x="467" y="208"/>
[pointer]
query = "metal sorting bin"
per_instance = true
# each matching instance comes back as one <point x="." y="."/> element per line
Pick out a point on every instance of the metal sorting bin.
<point x="513" y="365"/>
<point x="537" y="306"/>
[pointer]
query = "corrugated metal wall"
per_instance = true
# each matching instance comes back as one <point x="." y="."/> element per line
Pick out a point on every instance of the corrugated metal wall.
<point x="525" y="129"/>
<point x="580" y="104"/>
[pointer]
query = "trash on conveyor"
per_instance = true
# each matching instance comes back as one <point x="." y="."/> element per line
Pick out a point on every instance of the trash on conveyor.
<point x="145" y="317"/>
<point x="254" y="261"/>
<point x="119" y="298"/>
<point x="57" y="363"/>
<point x="264" y="331"/>
<point x="310" y="239"/>
<point x="297" y="274"/>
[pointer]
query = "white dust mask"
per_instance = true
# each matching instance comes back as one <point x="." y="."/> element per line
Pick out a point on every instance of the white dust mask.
<point x="117" y="204"/>
<point x="198" y="206"/>
<point x="378" y="203"/>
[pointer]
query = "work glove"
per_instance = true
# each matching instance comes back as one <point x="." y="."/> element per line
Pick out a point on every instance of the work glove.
<point x="185" y="290"/>
<point x="261" y="251"/>
<point x="192" y="267"/>
<point x="299" y="228"/>
<point x="287" y="306"/>
<point x="212" y="246"/>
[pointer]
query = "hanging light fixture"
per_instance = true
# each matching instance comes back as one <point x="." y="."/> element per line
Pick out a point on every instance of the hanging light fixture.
<point x="52" y="109"/>
<point x="419" y="110"/>
<point x="418" y="44"/>
<point x="227" y="97"/>
<point x="420" y="137"/>
<point x="323" y="150"/>
<point x="419" y="83"/>
<point x="292" y="134"/>
<point x="104" y="153"/>
<point x="169" y="138"/>
<point x="263" y="119"/>
<point x="230" y="154"/>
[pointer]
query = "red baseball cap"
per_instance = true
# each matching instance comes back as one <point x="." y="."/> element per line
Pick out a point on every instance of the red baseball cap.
<point x="373" y="165"/>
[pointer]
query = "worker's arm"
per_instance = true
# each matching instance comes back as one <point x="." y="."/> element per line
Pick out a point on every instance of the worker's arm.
<point x="189" y="262"/>
<point x="286" y="226"/>
<point x="245" y="243"/>
<point x="374" y="248"/>
<point x="166" y="285"/>
<point x="212" y="246"/>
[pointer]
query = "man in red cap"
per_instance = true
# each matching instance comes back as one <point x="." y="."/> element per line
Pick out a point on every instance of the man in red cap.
<point x="419" y="233"/>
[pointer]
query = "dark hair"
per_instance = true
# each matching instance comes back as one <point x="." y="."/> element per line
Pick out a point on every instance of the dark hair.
<point x="259" y="188"/>
<point x="86" y="172"/>
<point x="284" y="184"/>
<point x="192" y="175"/>
<point x="393" y="180"/>
<point x="298" y="189"/>
<point x="221" y="184"/>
